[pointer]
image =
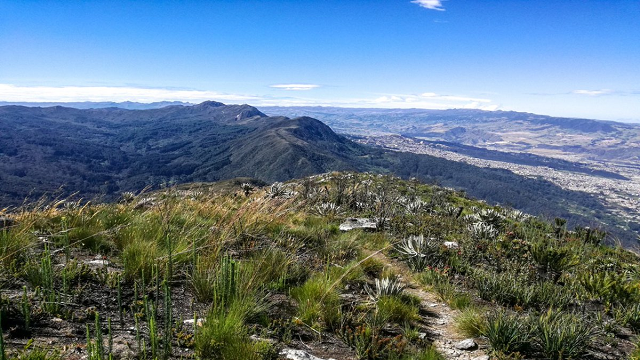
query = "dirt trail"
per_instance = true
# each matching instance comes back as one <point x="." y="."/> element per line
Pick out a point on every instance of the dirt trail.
<point x="439" y="316"/>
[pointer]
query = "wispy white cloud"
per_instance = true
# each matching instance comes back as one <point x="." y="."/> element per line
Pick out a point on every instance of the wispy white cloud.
<point x="453" y="97"/>
<point x="593" y="92"/>
<point x="14" y="93"/>
<point x="295" y="87"/>
<point x="427" y="100"/>
<point x="430" y="4"/>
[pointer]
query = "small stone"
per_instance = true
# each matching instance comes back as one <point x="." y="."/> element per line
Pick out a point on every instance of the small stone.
<point x="298" y="355"/>
<point x="467" y="344"/>
<point x="358" y="223"/>
<point x="451" y="244"/>
<point x="259" y="339"/>
<point x="98" y="263"/>
<point x="190" y="322"/>
<point x="422" y="336"/>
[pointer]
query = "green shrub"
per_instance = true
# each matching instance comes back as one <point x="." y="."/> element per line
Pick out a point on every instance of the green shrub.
<point x="139" y="258"/>
<point x="272" y="268"/>
<point x="471" y="322"/>
<point x="394" y="309"/>
<point x="559" y="335"/>
<point x="552" y="258"/>
<point x="370" y="345"/>
<point x="609" y="287"/>
<point x="506" y="288"/>
<point x="629" y="316"/>
<point x="13" y="245"/>
<point x="224" y="335"/>
<point x="203" y="278"/>
<point x="89" y="238"/>
<point x="38" y="353"/>
<point x="372" y="267"/>
<point x="506" y="333"/>
<point x="318" y="302"/>
<point x="340" y="248"/>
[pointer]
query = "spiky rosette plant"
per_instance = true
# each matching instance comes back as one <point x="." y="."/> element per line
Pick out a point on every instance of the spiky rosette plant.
<point x="385" y="287"/>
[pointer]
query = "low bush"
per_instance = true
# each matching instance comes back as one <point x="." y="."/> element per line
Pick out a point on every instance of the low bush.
<point x="507" y="334"/>
<point x="559" y="335"/>
<point x="139" y="258"/>
<point x="471" y="322"/>
<point x="429" y="353"/>
<point x="318" y="302"/>
<point x="396" y="310"/>
<point x="224" y="335"/>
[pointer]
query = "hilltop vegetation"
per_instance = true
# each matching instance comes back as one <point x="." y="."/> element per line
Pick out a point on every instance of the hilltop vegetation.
<point x="261" y="269"/>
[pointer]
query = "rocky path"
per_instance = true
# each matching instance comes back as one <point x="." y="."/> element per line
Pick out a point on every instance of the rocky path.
<point x="440" y="318"/>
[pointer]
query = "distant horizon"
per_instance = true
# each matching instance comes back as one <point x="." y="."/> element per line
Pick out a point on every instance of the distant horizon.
<point x="570" y="58"/>
<point x="178" y="102"/>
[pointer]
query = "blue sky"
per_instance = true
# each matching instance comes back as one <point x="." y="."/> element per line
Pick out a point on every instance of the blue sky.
<point x="577" y="58"/>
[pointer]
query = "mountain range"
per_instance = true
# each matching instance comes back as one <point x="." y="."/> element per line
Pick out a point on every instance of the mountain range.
<point x="105" y="151"/>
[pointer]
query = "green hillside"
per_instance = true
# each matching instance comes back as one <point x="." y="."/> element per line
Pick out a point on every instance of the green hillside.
<point x="100" y="153"/>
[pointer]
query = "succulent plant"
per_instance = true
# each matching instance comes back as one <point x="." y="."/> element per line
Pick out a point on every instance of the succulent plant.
<point x="385" y="287"/>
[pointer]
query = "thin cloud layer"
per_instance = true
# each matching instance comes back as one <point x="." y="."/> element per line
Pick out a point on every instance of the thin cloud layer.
<point x="430" y="4"/>
<point x="295" y="87"/>
<point x="430" y="100"/>
<point x="593" y="92"/>
<point x="13" y="93"/>
<point x="427" y="100"/>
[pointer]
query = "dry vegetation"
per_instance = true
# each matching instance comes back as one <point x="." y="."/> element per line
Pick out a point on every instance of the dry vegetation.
<point x="233" y="271"/>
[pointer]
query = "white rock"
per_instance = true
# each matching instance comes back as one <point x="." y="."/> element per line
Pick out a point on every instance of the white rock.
<point x="451" y="244"/>
<point x="191" y="321"/>
<point x="298" y="355"/>
<point x="467" y="344"/>
<point x="259" y="339"/>
<point x="98" y="262"/>
<point x="358" y="223"/>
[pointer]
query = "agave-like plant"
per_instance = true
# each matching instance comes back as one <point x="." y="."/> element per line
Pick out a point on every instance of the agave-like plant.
<point x="562" y="335"/>
<point x="127" y="197"/>
<point x="279" y="190"/>
<point x="483" y="231"/>
<point x="327" y="209"/>
<point x="385" y="287"/>
<point x="471" y="218"/>
<point x="420" y="251"/>
<point x="492" y="217"/>
<point x="452" y="211"/>
<point x="416" y="207"/>
<point x="516" y="215"/>
<point x="246" y="188"/>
